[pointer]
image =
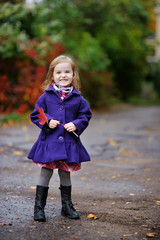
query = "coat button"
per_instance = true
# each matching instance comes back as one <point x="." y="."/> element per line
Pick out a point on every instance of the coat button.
<point x="61" y="107"/>
<point x="60" y="138"/>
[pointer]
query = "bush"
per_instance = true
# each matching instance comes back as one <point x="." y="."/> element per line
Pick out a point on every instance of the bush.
<point x="21" y="79"/>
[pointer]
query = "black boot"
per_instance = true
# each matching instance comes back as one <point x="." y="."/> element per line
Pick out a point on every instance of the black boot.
<point x="67" y="206"/>
<point x="40" y="202"/>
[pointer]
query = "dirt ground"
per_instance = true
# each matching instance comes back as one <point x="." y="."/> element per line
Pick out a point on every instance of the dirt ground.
<point x="120" y="186"/>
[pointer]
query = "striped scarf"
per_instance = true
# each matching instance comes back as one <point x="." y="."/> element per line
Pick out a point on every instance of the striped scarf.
<point x="63" y="91"/>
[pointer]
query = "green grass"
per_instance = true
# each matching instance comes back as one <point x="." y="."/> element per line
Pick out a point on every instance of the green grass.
<point x="13" y="118"/>
<point x="137" y="101"/>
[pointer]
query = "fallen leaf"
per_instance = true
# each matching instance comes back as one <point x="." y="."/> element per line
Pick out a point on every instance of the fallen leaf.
<point x="10" y="230"/>
<point x="132" y="194"/>
<point x="10" y="144"/>
<point x="97" y="147"/>
<point x="18" y="153"/>
<point x="112" y="142"/>
<point x="150" y="235"/>
<point x="32" y="226"/>
<point x="51" y="198"/>
<point x="114" y="177"/>
<point x="149" y="130"/>
<point x="145" y="226"/>
<point x="136" y="233"/>
<point x="126" y="152"/>
<point x="2" y="150"/>
<point x="126" y="235"/>
<point x="27" y="139"/>
<point x="33" y="187"/>
<point x="158" y="202"/>
<point x="94" y="204"/>
<point x="150" y="139"/>
<point x="3" y="224"/>
<point x="82" y="178"/>
<point x="74" y="237"/>
<point x="92" y="216"/>
<point x="53" y="237"/>
<point x="137" y="218"/>
<point x="25" y="128"/>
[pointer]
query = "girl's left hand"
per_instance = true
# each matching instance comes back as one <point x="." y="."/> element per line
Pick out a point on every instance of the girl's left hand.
<point x="70" y="127"/>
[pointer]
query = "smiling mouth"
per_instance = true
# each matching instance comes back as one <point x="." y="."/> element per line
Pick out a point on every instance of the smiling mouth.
<point x="64" y="80"/>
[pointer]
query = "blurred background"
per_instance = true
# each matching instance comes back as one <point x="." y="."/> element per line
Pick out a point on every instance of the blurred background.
<point x="115" y="44"/>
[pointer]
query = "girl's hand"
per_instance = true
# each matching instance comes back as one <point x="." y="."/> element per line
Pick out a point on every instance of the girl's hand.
<point x="53" y="123"/>
<point x="70" y="127"/>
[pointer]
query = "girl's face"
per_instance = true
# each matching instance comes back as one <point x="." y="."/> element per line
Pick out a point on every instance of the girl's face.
<point x="63" y="74"/>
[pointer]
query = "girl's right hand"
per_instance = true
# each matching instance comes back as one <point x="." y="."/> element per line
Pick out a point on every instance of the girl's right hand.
<point x="53" y="123"/>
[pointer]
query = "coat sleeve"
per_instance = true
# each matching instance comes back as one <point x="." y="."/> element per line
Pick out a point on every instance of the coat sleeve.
<point x="41" y="103"/>
<point x="84" y="116"/>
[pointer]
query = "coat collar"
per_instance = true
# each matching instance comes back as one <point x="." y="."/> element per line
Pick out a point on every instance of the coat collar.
<point x="51" y="89"/>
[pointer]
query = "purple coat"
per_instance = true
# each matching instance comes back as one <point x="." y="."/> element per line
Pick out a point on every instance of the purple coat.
<point x="58" y="144"/>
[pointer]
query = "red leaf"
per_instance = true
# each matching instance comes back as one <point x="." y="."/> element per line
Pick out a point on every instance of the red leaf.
<point x="42" y="116"/>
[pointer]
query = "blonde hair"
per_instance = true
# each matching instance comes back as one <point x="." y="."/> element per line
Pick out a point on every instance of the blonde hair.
<point x="62" y="58"/>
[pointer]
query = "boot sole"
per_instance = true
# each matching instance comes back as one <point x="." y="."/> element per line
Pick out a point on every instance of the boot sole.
<point x="65" y="215"/>
<point x="39" y="220"/>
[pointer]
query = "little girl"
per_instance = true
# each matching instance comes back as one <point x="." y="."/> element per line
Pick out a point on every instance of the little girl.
<point x="65" y="115"/>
